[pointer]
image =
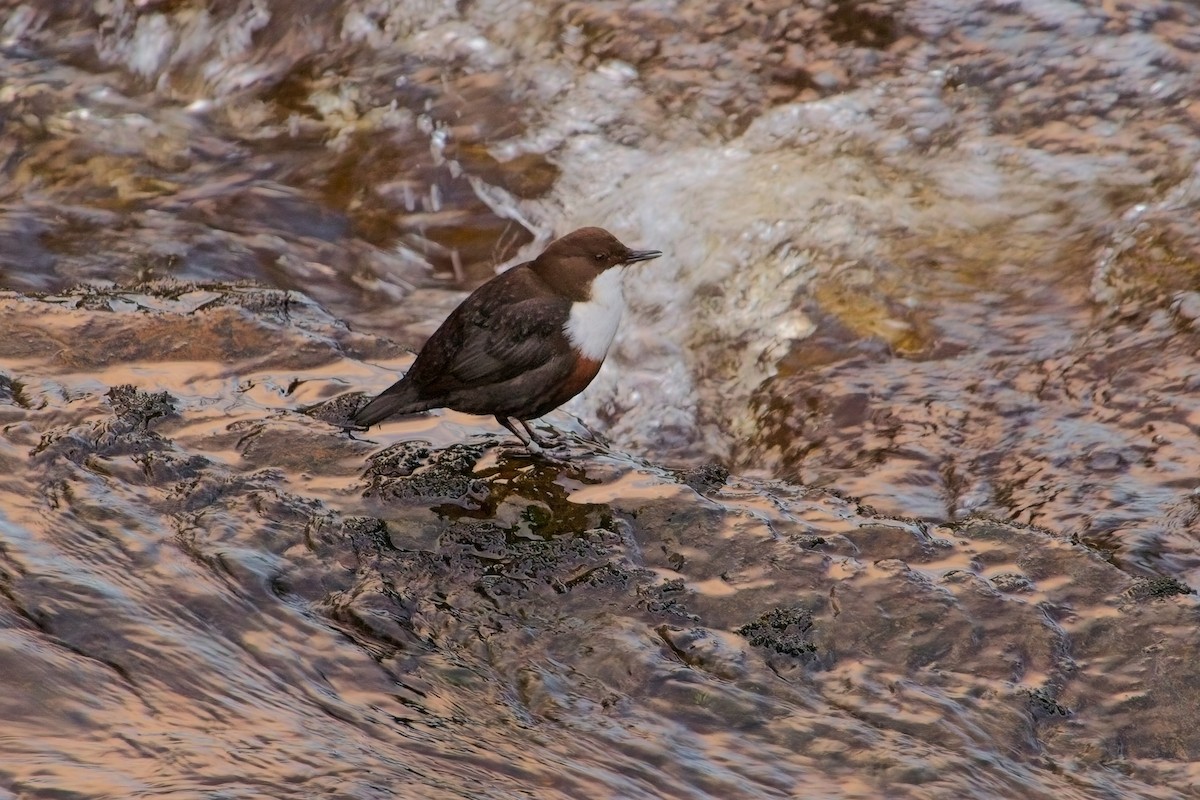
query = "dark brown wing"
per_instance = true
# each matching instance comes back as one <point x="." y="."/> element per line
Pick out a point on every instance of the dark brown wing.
<point x="509" y="326"/>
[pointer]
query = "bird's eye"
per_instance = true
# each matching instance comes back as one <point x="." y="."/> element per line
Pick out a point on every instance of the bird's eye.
<point x="600" y="256"/>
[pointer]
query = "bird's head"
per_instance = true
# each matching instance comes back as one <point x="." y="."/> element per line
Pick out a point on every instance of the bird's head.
<point x="571" y="263"/>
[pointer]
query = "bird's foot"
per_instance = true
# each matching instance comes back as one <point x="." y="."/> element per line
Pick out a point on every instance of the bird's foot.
<point x="533" y="443"/>
<point x="553" y="435"/>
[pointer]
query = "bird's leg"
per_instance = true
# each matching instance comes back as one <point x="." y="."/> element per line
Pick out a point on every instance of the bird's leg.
<point x="532" y="434"/>
<point x="506" y="422"/>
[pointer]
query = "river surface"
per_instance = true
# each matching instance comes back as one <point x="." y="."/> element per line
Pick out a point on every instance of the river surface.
<point x="888" y="488"/>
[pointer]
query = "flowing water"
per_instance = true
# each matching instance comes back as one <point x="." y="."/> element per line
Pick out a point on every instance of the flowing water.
<point x="888" y="488"/>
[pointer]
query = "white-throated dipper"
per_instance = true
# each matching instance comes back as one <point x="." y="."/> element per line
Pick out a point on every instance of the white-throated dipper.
<point x="523" y="343"/>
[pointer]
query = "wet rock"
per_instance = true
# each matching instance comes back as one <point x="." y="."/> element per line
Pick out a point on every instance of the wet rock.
<point x="1010" y="582"/>
<point x="367" y="532"/>
<point x="783" y="630"/>
<point x="183" y="322"/>
<point x="106" y="439"/>
<point x="415" y="471"/>
<point x="1043" y="705"/>
<point x="706" y="478"/>
<point x="669" y="597"/>
<point x="508" y="566"/>
<point x="123" y="446"/>
<point x="1156" y="589"/>
<point x="133" y="405"/>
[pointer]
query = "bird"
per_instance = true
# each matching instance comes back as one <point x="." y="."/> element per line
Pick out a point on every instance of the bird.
<point x="524" y="342"/>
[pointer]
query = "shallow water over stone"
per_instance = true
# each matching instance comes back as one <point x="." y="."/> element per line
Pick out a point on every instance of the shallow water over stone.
<point x="929" y="293"/>
<point x="204" y="584"/>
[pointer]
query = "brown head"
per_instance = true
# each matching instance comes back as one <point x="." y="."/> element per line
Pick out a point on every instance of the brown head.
<point x="571" y="263"/>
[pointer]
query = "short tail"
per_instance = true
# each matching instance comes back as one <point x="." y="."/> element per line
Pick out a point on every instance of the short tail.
<point x="399" y="398"/>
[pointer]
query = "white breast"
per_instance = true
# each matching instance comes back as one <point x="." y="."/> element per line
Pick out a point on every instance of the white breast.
<point x="593" y="324"/>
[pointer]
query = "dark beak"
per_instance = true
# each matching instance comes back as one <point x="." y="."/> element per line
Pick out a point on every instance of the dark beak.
<point x="640" y="255"/>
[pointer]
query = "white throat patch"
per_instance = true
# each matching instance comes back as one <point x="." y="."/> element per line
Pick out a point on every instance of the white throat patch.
<point x="593" y="324"/>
